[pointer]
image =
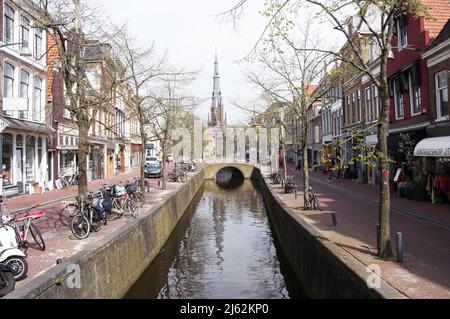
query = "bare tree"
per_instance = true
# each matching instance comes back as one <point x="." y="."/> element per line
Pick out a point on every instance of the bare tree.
<point x="287" y="77"/>
<point x="142" y="71"/>
<point x="381" y="31"/>
<point x="72" y="26"/>
<point x="174" y="110"/>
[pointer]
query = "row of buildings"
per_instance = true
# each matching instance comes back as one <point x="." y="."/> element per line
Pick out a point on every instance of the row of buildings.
<point x="343" y="123"/>
<point x="38" y="135"/>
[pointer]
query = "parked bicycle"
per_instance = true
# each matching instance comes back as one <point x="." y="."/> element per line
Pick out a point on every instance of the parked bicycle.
<point x="87" y="218"/>
<point x="313" y="202"/>
<point x="177" y="176"/>
<point x="289" y="185"/>
<point x="276" y="178"/>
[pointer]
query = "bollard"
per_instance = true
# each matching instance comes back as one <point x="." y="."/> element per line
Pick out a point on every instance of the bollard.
<point x="399" y="237"/>
<point x="295" y="190"/>
<point x="378" y="239"/>
<point x="333" y="217"/>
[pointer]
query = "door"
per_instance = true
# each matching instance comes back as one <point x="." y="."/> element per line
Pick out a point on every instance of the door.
<point x="122" y="162"/>
<point x="19" y="166"/>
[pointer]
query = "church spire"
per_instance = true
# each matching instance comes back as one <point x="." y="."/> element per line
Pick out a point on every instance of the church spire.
<point x="216" y="117"/>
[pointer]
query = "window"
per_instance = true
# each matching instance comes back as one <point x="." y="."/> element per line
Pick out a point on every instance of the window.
<point x="38" y="44"/>
<point x="415" y="97"/>
<point x="353" y="107"/>
<point x="25" y="33"/>
<point x="398" y="100"/>
<point x="369" y="111"/>
<point x="402" y="33"/>
<point x="37" y="98"/>
<point x="442" y="95"/>
<point x="9" y="24"/>
<point x="374" y="50"/>
<point x="23" y="90"/>
<point x="8" y="80"/>
<point x="376" y="102"/>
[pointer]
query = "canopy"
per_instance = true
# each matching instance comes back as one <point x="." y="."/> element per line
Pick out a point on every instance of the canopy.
<point x="433" y="147"/>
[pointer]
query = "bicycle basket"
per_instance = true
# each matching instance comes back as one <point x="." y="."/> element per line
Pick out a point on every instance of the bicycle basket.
<point x="132" y="188"/>
<point x="119" y="190"/>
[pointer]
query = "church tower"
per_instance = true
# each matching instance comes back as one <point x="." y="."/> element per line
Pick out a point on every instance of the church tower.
<point x="216" y="117"/>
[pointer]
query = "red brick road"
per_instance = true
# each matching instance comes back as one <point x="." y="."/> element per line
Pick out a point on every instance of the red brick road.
<point x="425" y="271"/>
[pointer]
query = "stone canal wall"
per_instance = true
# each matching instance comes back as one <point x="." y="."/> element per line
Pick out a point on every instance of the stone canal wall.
<point x="324" y="269"/>
<point x="113" y="264"/>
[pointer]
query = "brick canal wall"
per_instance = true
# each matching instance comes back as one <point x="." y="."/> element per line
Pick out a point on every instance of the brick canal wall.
<point x="113" y="264"/>
<point x="324" y="269"/>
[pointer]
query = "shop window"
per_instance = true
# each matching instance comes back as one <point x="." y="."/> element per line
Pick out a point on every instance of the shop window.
<point x="7" y="155"/>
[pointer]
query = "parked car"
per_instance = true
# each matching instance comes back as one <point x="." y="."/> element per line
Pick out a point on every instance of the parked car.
<point x="153" y="170"/>
<point x="151" y="160"/>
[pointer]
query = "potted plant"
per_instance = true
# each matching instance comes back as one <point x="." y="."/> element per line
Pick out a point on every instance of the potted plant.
<point x="37" y="188"/>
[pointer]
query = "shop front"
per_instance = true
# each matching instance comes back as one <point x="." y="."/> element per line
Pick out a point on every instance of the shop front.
<point x="23" y="148"/>
<point x="135" y="155"/>
<point x="434" y="152"/>
<point x="96" y="162"/>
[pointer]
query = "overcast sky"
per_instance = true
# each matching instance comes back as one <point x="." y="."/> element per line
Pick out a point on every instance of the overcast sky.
<point x="190" y="31"/>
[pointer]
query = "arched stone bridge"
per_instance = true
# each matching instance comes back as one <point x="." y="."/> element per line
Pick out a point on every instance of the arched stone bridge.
<point x="247" y="170"/>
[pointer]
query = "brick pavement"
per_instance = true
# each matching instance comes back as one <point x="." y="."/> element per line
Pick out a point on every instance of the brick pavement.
<point x="425" y="272"/>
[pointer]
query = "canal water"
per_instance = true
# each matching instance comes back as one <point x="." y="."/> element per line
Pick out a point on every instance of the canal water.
<point x="223" y="247"/>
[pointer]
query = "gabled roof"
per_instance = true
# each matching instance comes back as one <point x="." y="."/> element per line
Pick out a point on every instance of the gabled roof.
<point x="439" y="10"/>
<point x="443" y="35"/>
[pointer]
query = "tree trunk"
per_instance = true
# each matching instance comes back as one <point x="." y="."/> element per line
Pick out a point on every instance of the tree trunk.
<point x="164" y="181"/>
<point x="142" y="155"/>
<point x="305" y="166"/>
<point x="83" y="152"/>
<point x="385" y="249"/>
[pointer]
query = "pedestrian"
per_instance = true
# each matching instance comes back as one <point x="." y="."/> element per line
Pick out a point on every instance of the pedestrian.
<point x="299" y="164"/>
<point x="281" y="161"/>
<point x="315" y="166"/>
<point x="331" y="168"/>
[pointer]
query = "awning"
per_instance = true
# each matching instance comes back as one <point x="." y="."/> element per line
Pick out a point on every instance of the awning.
<point x="25" y="125"/>
<point x="433" y="147"/>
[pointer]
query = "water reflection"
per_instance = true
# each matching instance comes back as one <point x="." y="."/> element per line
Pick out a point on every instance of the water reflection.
<point x="222" y="248"/>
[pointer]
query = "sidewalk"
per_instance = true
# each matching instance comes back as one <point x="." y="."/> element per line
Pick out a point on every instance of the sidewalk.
<point x="427" y="209"/>
<point x="26" y="200"/>
<point x="425" y="271"/>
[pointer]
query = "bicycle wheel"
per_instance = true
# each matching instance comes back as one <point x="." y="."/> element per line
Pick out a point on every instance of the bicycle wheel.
<point x="139" y="198"/>
<point x="183" y="177"/>
<point x="316" y="203"/>
<point x="37" y="236"/>
<point x="80" y="226"/>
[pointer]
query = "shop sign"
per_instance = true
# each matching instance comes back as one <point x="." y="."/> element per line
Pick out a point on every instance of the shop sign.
<point x="433" y="147"/>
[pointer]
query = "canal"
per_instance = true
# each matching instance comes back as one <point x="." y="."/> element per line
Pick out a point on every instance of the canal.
<point x="223" y="247"/>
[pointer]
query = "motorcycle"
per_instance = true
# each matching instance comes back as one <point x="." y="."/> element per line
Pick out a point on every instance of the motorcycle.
<point x="7" y="282"/>
<point x="10" y="254"/>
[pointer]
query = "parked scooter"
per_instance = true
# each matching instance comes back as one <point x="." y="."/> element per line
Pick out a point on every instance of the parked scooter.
<point x="7" y="282"/>
<point x="10" y="254"/>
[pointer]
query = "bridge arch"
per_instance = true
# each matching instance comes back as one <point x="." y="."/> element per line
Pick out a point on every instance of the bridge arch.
<point x="246" y="170"/>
